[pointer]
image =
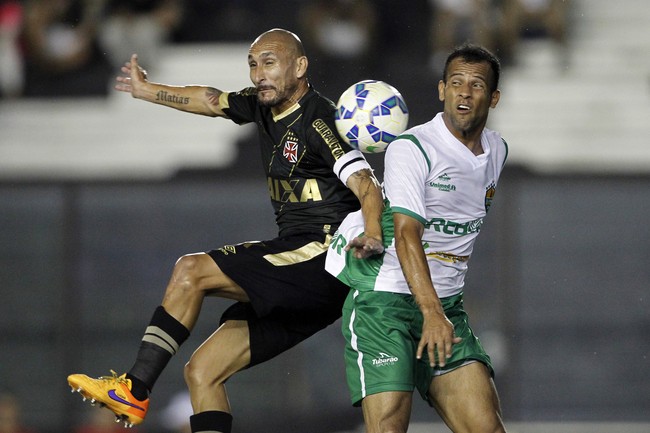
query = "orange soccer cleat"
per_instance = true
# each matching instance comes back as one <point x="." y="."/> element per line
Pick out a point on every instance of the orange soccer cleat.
<point x="112" y="392"/>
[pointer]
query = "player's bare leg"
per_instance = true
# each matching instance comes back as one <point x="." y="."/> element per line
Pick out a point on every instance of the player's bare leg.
<point x="467" y="400"/>
<point x="387" y="412"/>
<point x="194" y="277"/>
<point x="224" y="353"/>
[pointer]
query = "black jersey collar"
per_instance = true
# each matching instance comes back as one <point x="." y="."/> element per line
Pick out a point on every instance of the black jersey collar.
<point x="295" y="107"/>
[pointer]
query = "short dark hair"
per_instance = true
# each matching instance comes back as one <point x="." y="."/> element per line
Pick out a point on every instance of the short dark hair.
<point x="476" y="54"/>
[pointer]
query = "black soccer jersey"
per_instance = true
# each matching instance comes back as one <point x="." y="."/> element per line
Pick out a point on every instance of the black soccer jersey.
<point x="300" y="148"/>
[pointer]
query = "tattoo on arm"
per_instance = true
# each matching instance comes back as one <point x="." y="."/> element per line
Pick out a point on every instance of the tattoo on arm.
<point x="213" y="95"/>
<point x="367" y="181"/>
<point x="164" y="96"/>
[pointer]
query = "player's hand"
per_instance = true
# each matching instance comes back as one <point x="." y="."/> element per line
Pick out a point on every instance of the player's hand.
<point x="438" y="338"/>
<point x="133" y="76"/>
<point x="364" y="247"/>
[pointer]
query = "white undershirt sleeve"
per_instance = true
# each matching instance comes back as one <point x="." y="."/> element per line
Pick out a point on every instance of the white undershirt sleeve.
<point x="350" y="163"/>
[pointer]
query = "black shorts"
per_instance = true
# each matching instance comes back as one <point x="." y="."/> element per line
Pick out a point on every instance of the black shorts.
<point x="291" y="295"/>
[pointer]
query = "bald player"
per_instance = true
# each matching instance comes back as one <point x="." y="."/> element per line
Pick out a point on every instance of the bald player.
<point x="281" y="291"/>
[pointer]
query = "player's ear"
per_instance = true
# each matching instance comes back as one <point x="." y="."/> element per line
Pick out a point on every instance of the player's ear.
<point x="495" y="98"/>
<point x="301" y="66"/>
<point x="441" y="90"/>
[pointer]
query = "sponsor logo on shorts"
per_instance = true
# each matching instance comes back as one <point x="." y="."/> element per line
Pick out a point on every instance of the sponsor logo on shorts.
<point x="384" y="359"/>
<point x="227" y="249"/>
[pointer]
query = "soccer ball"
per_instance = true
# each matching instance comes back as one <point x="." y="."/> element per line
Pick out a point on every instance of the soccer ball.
<point x="370" y="114"/>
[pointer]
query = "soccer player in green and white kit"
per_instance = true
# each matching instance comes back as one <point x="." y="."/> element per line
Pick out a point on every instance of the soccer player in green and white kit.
<point x="403" y="320"/>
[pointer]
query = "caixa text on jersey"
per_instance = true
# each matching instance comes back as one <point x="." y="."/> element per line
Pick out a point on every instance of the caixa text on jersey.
<point x="294" y="190"/>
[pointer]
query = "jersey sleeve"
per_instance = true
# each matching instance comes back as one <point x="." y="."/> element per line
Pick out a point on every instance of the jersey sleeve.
<point x="405" y="175"/>
<point x="350" y="163"/>
<point x="239" y="106"/>
<point x="505" y="152"/>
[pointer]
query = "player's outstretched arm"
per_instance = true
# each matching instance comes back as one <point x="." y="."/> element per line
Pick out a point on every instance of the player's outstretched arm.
<point x="202" y="100"/>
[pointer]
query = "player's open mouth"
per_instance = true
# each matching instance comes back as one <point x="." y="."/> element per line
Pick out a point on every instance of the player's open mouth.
<point x="463" y="107"/>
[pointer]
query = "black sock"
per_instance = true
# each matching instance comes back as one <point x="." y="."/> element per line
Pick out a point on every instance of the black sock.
<point x="160" y="342"/>
<point x="138" y="388"/>
<point x="211" y="421"/>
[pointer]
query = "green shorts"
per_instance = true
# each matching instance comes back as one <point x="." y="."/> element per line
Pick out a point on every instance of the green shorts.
<point x="382" y="331"/>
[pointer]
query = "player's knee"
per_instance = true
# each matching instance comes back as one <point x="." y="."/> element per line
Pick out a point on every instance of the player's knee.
<point x="485" y="423"/>
<point x="206" y="370"/>
<point x="197" y="375"/>
<point x="192" y="375"/>
<point x="389" y="427"/>
<point x="186" y="272"/>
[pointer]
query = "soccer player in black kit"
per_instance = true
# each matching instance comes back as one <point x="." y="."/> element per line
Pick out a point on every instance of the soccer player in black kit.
<point x="282" y="291"/>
